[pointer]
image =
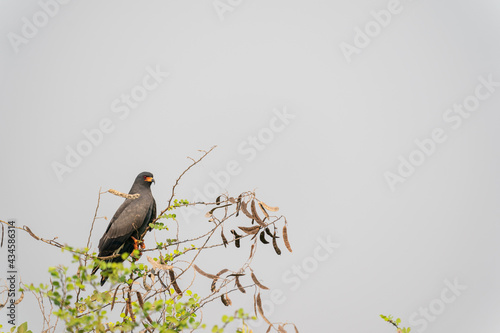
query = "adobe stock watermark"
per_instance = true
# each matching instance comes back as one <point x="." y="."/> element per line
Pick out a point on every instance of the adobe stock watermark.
<point x="363" y="36"/>
<point x="224" y="7"/>
<point x="297" y="274"/>
<point x="419" y="320"/>
<point x="12" y="272"/>
<point x="121" y="107"/>
<point x="30" y="27"/>
<point x="453" y="117"/>
<point x="248" y="149"/>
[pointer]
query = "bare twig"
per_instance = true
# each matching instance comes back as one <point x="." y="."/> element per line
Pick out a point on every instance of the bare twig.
<point x="179" y="178"/>
<point x="95" y="217"/>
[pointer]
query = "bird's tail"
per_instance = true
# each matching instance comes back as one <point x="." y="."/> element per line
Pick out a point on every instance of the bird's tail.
<point x="103" y="279"/>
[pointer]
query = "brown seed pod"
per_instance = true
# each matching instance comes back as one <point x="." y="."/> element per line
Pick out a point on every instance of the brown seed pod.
<point x="251" y="251"/>
<point x="216" y="277"/>
<point x="124" y="296"/>
<point x="141" y="303"/>
<point x="275" y="244"/>
<point x="269" y="328"/>
<point x="211" y="211"/>
<point x="256" y="216"/>
<point x="174" y="282"/>
<point x="31" y="232"/>
<point x="257" y="282"/>
<point x="199" y="270"/>
<point x="285" y="238"/>
<point x="269" y="232"/>
<point x="226" y="300"/>
<point x="224" y="240"/>
<point x="238" y="284"/>
<point x="269" y="208"/>
<point x="238" y="205"/>
<point x="255" y="305"/>
<point x="250" y="230"/>
<point x="263" y="209"/>
<point x="263" y="237"/>
<point x="245" y="210"/>
<point x="236" y="238"/>
<point x="20" y="299"/>
<point x="114" y="297"/>
<point x="261" y="311"/>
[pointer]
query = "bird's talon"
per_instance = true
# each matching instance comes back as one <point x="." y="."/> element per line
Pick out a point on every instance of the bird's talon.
<point x="138" y="243"/>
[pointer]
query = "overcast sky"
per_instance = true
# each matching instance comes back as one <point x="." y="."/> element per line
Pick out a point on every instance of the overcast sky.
<point x="374" y="125"/>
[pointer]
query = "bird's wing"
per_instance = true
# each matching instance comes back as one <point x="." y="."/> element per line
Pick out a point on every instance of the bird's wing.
<point x="129" y="218"/>
<point x="153" y="213"/>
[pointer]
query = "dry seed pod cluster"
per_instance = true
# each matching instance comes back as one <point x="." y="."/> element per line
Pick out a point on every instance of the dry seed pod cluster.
<point x="261" y="226"/>
<point x="261" y="229"/>
<point x="236" y="276"/>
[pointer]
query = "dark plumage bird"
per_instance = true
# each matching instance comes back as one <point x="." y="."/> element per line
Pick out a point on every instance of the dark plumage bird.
<point x="126" y="228"/>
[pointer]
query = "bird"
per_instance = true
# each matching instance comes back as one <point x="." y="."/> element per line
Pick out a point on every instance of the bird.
<point x="126" y="229"/>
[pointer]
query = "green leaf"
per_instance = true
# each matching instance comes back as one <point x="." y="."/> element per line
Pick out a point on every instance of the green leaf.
<point x="23" y="328"/>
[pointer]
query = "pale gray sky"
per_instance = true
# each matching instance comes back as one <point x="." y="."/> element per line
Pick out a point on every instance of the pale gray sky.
<point x="372" y="124"/>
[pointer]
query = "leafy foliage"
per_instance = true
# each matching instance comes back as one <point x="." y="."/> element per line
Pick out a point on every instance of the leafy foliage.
<point x="148" y="296"/>
<point x="396" y="323"/>
<point x="23" y="328"/>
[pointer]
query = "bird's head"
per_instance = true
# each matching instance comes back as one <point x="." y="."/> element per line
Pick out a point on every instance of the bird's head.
<point x="145" y="178"/>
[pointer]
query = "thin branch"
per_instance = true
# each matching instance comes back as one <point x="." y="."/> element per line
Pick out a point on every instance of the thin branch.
<point x="95" y="217"/>
<point x="179" y="178"/>
<point x="175" y="185"/>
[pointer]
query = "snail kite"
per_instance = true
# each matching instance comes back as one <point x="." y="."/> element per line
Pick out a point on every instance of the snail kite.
<point x="125" y="230"/>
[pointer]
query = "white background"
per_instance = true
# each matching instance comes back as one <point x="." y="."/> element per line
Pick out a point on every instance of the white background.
<point x="325" y="169"/>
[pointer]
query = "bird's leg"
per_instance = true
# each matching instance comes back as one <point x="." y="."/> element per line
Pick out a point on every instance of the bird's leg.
<point x="138" y="243"/>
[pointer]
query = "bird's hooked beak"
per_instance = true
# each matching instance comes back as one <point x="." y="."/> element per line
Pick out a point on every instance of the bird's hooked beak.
<point x="149" y="179"/>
